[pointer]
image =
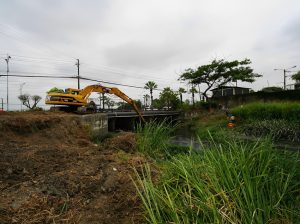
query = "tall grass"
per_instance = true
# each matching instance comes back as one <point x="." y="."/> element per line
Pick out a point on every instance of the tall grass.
<point x="232" y="183"/>
<point x="153" y="137"/>
<point x="269" y="111"/>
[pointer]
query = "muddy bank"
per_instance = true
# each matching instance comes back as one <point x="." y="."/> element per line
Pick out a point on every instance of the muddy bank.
<point x="50" y="171"/>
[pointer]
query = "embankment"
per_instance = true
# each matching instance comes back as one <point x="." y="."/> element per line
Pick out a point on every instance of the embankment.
<point x="50" y="171"/>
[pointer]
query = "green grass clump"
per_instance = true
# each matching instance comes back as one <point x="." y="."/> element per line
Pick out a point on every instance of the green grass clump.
<point x="153" y="137"/>
<point x="228" y="183"/>
<point x="269" y="111"/>
<point x="278" y="130"/>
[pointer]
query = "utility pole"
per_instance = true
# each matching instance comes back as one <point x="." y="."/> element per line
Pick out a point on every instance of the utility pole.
<point x="103" y="101"/>
<point x="2" y="104"/>
<point x="21" y="87"/>
<point x="7" y="71"/>
<point x="78" y="77"/>
<point x="285" y="70"/>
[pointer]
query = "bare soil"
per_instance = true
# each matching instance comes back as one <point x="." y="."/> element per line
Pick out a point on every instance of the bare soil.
<point x="50" y="172"/>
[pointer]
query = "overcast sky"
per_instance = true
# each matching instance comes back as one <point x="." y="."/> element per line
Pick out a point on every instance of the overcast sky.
<point x="133" y="41"/>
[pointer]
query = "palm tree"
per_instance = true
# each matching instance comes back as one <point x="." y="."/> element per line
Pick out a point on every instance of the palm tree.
<point x="193" y="90"/>
<point x="151" y="85"/>
<point x="181" y="91"/>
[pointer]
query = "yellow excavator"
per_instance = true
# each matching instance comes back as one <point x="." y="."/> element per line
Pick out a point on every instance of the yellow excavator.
<point x="75" y="100"/>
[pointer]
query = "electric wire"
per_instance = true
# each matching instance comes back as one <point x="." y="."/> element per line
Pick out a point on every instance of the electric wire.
<point x="75" y="77"/>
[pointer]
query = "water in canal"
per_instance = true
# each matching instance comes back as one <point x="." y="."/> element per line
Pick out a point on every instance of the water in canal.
<point x="185" y="136"/>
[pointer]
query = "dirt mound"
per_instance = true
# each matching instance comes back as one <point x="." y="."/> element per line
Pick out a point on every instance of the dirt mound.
<point x="50" y="172"/>
<point x="124" y="141"/>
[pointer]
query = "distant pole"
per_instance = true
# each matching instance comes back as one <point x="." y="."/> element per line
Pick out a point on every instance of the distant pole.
<point x="103" y="101"/>
<point x="284" y="79"/>
<point x="199" y="92"/>
<point x="2" y="104"/>
<point x="7" y="71"/>
<point x="78" y="77"/>
<point x="285" y="70"/>
<point x="21" y="87"/>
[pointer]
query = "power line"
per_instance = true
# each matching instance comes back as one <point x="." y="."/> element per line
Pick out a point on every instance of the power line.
<point x="36" y="73"/>
<point x="117" y="84"/>
<point x="42" y="76"/>
<point x="101" y="67"/>
<point x="42" y="59"/>
<point x="75" y="77"/>
<point x="122" y="72"/>
<point x="20" y="37"/>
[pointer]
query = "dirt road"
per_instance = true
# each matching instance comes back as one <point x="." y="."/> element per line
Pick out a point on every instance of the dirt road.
<point x="50" y="172"/>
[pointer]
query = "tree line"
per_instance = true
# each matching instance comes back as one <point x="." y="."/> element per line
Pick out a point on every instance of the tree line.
<point x="215" y="74"/>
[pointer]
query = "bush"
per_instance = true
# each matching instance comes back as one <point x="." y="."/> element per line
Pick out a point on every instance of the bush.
<point x="206" y="105"/>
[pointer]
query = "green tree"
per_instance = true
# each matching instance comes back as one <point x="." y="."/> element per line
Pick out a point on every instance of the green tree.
<point x="169" y="98"/>
<point x="296" y="76"/>
<point x="219" y="73"/>
<point x="109" y="102"/>
<point x="181" y="91"/>
<point x="26" y="98"/>
<point x="193" y="90"/>
<point x="151" y="85"/>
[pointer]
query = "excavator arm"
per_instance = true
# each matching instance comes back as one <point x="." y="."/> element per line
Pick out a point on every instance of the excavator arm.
<point x="86" y="92"/>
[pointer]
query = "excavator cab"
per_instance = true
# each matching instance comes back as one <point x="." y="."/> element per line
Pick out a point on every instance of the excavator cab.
<point x="72" y="91"/>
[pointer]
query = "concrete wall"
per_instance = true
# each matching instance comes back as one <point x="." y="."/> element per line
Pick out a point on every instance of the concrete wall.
<point x="96" y="123"/>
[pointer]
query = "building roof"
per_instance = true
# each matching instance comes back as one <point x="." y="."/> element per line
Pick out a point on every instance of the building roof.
<point x="229" y="87"/>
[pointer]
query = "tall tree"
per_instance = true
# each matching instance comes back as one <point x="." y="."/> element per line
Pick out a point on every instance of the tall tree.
<point x="296" y="76"/>
<point x="193" y="90"/>
<point x="151" y="85"/>
<point x="168" y="98"/>
<point x="219" y="73"/>
<point x="181" y="91"/>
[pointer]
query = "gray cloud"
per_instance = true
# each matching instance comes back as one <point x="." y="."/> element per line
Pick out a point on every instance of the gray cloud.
<point x="145" y="40"/>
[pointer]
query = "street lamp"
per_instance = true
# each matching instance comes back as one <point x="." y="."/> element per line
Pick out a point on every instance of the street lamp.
<point x="285" y="70"/>
<point x="21" y="87"/>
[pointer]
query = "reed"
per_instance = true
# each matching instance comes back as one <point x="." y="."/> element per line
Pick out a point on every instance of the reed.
<point x="230" y="183"/>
